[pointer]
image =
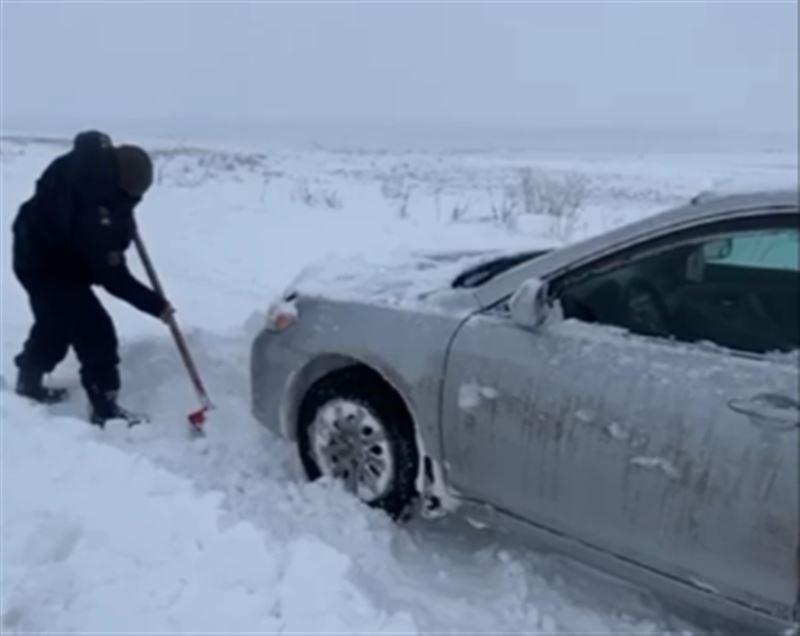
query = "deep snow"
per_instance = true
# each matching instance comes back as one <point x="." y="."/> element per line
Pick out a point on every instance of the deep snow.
<point x="150" y="530"/>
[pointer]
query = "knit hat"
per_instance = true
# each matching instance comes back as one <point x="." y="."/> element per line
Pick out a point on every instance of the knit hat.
<point x="93" y="139"/>
<point x="134" y="170"/>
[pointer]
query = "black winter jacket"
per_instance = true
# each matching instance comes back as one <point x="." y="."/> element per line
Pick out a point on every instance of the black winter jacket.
<point x="76" y="227"/>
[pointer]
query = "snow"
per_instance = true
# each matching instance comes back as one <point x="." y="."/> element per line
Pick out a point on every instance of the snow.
<point x="707" y="587"/>
<point x="657" y="463"/>
<point x="471" y="395"/>
<point x="617" y="431"/>
<point x="150" y="530"/>
<point x="399" y="277"/>
<point x="121" y="542"/>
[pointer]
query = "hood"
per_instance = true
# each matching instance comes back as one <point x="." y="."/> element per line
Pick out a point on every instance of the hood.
<point x="407" y="277"/>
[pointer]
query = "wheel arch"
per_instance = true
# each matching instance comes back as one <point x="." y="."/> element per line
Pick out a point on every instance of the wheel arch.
<point x="324" y="365"/>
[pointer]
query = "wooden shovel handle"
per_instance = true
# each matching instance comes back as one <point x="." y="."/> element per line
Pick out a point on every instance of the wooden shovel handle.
<point x="177" y="335"/>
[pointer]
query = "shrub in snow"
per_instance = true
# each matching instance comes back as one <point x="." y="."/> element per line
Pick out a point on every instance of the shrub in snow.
<point x="642" y="194"/>
<point x="402" y="206"/>
<point x="437" y="197"/>
<point x="559" y="197"/>
<point x="505" y="205"/>
<point x="551" y="195"/>
<point x="302" y="193"/>
<point x="459" y="211"/>
<point x="11" y="150"/>
<point x="313" y="197"/>
<point x="395" y="188"/>
<point x="186" y="167"/>
<point x="332" y="199"/>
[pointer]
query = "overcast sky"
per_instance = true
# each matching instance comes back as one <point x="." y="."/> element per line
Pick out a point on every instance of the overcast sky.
<point x="671" y="64"/>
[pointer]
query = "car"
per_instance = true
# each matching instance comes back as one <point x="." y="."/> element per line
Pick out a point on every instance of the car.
<point x="631" y="400"/>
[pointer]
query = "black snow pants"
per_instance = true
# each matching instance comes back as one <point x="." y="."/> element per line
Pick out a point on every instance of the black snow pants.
<point x="69" y="314"/>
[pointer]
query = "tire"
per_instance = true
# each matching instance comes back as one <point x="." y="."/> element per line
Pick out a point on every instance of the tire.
<point x="357" y="400"/>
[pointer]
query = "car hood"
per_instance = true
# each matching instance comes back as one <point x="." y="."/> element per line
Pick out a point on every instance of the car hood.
<point x="396" y="279"/>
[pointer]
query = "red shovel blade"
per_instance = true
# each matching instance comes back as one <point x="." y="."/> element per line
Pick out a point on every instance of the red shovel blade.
<point x="198" y="418"/>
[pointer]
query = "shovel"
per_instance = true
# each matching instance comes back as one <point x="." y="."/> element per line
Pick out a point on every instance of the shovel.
<point x="197" y="419"/>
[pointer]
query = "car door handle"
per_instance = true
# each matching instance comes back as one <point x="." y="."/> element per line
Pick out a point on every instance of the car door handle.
<point x="769" y="410"/>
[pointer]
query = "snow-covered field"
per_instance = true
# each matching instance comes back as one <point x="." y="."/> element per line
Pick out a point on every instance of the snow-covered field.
<point x="147" y="530"/>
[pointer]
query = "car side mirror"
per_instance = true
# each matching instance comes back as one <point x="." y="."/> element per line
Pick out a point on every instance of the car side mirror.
<point x="528" y="306"/>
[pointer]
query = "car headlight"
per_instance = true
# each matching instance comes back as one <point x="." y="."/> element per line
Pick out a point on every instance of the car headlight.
<point x="282" y="315"/>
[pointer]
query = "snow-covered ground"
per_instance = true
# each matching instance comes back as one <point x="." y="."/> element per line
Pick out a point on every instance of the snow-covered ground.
<point x="149" y="530"/>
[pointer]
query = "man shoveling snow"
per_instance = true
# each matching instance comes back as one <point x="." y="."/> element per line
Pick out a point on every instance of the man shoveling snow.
<point x="70" y="235"/>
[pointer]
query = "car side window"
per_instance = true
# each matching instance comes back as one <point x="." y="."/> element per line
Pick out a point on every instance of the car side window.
<point x="738" y="290"/>
<point x="772" y="250"/>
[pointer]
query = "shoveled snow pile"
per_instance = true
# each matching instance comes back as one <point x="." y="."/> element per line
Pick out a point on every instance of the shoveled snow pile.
<point x="148" y="530"/>
<point x="99" y="540"/>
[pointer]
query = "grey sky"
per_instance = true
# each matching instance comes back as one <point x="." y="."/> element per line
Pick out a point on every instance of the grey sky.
<point x="685" y="65"/>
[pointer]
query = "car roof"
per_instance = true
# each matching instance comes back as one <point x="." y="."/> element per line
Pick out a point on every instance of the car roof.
<point x="715" y="200"/>
<point x="707" y="206"/>
<point x="702" y="208"/>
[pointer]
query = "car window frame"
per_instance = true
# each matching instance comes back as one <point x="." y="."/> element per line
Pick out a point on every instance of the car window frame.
<point x="713" y="228"/>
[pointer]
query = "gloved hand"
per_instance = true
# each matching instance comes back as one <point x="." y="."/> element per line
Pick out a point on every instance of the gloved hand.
<point x="168" y="312"/>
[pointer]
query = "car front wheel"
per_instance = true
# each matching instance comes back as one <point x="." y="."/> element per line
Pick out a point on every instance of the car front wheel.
<point x="356" y="429"/>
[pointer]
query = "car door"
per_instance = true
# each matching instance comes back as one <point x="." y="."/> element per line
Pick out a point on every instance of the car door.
<point x="680" y="455"/>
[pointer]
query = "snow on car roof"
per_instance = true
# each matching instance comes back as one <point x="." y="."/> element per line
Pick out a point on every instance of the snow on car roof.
<point x="786" y="194"/>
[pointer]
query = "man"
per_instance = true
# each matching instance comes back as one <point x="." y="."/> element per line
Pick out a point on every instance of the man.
<point x="70" y="235"/>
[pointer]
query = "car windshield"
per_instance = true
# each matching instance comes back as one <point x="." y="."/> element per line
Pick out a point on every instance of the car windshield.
<point x="480" y="274"/>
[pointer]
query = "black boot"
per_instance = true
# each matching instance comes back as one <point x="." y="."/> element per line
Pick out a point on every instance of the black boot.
<point x="29" y="385"/>
<point x="104" y="407"/>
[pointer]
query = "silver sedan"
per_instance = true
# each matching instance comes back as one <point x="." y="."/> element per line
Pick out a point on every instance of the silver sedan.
<point x="632" y="401"/>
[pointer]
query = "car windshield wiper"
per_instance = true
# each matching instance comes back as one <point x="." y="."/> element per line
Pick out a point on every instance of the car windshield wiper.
<point x="486" y="271"/>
